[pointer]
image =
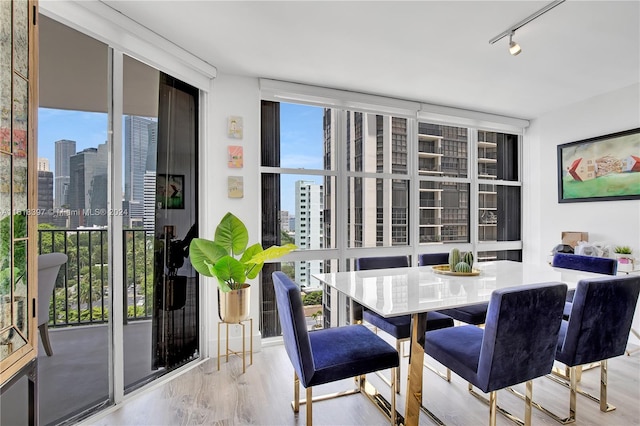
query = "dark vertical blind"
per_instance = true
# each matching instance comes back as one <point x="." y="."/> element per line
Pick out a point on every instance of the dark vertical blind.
<point x="270" y="156"/>
<point x="175" y="333"/>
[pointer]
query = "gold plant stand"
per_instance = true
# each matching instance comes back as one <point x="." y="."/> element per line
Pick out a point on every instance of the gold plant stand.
<point x="242" y="354"/>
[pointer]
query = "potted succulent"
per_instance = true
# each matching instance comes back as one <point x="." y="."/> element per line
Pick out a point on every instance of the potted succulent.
<point x="230" y="259"/>
<point x="625" y="260"/>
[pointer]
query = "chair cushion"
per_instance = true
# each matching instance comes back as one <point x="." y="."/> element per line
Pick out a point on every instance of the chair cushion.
<point x="472" y="314"/>
<point x="458" y="348"/>
<point x="343" y="352"/>
<point x="400" y="327"/>
<point x="509" y="350"/>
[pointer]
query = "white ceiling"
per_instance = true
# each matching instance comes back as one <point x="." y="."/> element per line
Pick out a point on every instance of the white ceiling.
<point x="430" y="51"/>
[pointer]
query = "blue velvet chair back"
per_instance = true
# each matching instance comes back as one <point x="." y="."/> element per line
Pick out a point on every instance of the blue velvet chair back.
<point x="427" y="259"/>
<point x="382" y="262"/>
<point x="600" y="321"/>
<point x="294" y="326"/>
<point x="520" y="334"/>
<point x="600" y="265"/>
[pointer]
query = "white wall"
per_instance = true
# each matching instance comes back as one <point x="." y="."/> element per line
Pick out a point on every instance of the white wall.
<point x="230" y="96"/>
<point x="613" y="222"/>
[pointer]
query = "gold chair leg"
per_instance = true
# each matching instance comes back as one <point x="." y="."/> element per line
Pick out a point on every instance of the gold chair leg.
<point x="574" y="390"/>
<point x="445" y="376"/>
<point x="395" y="380"/>
<point x="394" y="386"/>
<point x="603" y="388"/>
<point x="527" y="402"/>
<point x="309" y="405"/>
<point x="296" y="393"/>
<point x="573" y="385"/>
<point x="493" y="407"/>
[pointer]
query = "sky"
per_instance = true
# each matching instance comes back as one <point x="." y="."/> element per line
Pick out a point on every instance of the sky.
<point x="300" y="128"/>
<point x="88" y="129"/>
<point x="301" y="146"/>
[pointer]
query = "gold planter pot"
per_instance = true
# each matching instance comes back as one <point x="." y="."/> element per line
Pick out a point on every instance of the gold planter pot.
<point x="234" y="305"/>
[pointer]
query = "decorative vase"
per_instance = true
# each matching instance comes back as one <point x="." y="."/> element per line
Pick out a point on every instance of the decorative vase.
<point x="233" y="305"/>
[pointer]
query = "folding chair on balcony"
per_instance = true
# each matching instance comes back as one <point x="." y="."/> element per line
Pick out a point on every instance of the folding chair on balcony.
<point x="48" y="267"/>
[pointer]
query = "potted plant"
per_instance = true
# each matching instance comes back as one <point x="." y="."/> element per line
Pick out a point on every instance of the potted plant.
<point x="625" y="260"/>
<point x="228" y="259"/>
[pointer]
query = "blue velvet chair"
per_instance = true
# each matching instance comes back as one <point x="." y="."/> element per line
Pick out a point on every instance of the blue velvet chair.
<point x="472" y="314"/>
<point x="599" y="265"/>
<point x="508" y="350"/>
<point x="597" y="329"/>
<point x="328" y="355"/>
<point x="398" y="327"/>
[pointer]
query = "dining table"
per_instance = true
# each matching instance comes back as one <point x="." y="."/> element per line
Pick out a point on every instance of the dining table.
<point x="417" y="290"/>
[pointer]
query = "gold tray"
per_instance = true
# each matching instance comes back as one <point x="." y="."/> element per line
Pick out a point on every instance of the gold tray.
<point x="444" y="269"/>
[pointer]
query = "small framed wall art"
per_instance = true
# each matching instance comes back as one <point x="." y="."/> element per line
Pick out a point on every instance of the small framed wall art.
<point x="235" y="156"/>
<point x="235" y="186"/>
<point x="234" y="127"/>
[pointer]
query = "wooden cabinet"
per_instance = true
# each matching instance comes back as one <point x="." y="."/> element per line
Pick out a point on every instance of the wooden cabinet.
<point x="18" y="187"/>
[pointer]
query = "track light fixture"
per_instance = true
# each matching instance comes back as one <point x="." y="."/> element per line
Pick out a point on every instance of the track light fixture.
<point x="514" y="48"/>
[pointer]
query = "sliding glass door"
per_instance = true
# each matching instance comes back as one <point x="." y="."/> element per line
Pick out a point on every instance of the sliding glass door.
<point x="120" y="139"/>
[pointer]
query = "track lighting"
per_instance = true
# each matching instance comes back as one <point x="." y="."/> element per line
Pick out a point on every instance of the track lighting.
<point x="514" y="48"/>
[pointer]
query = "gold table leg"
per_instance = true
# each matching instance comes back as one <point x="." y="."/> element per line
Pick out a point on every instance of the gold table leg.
<point x="414" y="379"/>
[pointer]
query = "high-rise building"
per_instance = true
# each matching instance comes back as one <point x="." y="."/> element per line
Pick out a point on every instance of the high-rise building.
<point x="88" y="187"/>
<point x="140" y="141"/>
<point x="378" y="208"/>
<point x="309" y="235"/>
<point x="43" y="164"/>
<point x="63" y="152"/>
<point x="284" y="220"/>
<point x="149" y="200"/>
<point x="45" y="195"/>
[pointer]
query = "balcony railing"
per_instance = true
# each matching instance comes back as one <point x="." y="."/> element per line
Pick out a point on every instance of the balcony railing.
<point x="81" y="294"/>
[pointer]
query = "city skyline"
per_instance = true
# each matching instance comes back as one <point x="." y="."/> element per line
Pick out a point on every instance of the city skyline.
<point x="301" y="139"/>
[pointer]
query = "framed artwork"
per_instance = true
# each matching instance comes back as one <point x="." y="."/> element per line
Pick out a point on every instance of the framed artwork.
<point x="603" y="168"/>
<point x="235" y="156"/>
<point x="235" y="186"/>
<point x="234" y="127"/>
<point x="170" y="191"/>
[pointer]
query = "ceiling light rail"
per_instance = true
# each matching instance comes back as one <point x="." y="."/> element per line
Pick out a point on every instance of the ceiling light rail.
<point x="514" y="48"/>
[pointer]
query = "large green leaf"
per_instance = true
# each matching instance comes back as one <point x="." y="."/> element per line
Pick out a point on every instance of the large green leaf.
<point x="232" y="234"/>
<point x="272" y="252"/>
<point x="252" y="268"/>
<point x="205" y="253"/>
<point x="250" y="252"/>
<point x="230" y="270"/>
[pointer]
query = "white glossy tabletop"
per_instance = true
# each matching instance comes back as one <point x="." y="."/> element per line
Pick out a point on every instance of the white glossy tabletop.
<point x="401" y="291"/>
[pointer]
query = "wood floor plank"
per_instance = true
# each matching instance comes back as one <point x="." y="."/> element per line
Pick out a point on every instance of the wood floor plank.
<point x="262" y="396"/>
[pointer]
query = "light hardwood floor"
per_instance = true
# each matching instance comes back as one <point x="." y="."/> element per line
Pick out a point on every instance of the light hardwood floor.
<point x="262" y="396"/>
